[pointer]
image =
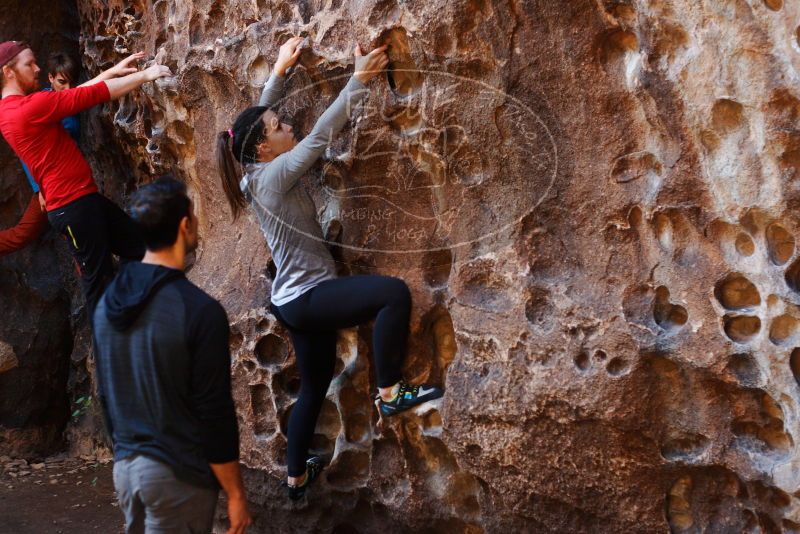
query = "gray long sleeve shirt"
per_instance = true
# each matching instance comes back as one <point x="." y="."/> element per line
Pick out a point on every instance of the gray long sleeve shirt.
<point x="285" y="210"/>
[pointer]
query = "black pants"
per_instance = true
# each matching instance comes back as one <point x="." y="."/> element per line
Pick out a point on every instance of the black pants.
<point x="312" y="320"/>
<point x="96" y="228"/>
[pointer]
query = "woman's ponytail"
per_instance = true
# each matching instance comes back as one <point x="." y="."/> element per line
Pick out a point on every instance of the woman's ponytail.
<point x="240" y="143"/>
<point x="229" y="174"/>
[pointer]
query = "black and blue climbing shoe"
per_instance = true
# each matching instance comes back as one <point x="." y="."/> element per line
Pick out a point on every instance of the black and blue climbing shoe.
<point x="407" y="397"/>
<point x="314" y="467"/>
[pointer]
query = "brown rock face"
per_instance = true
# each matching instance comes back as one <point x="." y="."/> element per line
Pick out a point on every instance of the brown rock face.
<point x="594" y="205"/>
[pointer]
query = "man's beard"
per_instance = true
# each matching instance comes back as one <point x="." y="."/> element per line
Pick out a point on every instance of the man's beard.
<point x="32" y="87"/>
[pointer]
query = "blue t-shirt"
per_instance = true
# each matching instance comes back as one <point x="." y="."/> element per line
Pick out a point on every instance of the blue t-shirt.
<point x="73" y="126"/>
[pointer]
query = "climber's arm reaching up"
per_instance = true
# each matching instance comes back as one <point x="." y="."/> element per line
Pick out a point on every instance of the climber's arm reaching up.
<point x="287" y="56"/>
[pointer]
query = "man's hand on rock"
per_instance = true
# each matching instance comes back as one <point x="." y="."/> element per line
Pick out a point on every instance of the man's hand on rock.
<point x="369" y="66"/>
<point x="288" y="54"/>
<point x="123" y="68"/>
<point x="155" y="72"/>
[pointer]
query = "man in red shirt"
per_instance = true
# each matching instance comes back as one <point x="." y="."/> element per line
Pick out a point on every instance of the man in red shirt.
<point x="31" y="123"/>
<point x="63" y="73"/>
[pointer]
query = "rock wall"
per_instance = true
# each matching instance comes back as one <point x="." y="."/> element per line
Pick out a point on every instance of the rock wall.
<point x="35" y="330"/>
<point x="594" y="205"/>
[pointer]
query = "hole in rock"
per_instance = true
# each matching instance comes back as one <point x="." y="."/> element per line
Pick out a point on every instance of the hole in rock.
<point x="792" y="275"/>
<point x="685" y="447"/>
<point x="258" y="72"/>
<point x="600" y="355"/>
<point x="404" y="77"/>
<point x="763" y="439"/>
<point x="333" y="233"/>
<point x="634" y="166"/>
<point x="679" y="511"/>
<point x="794" y="364"/>
<point x="740" y="328"/>
<point x="615" y="44"/>
<point x="736" y="292"/>
<point x="196" y="33"/>
<point x="249" y="365"/>
<point x="329" y="424"/>
<point x="439" y="326"/>
<point x="161" y="38"/>
<point x="463" y="494"/>
<point x="539" y="309"/>
<point x="432" y="421"/>
<point x="667" y="315"/>
<point x="235" y="342"/>
<point x="762" y="429"/>
<point x="271" y="350"/>
<point x="350" y="468"/>
<point x="780" y="244"/>
<point x="744" y="244"/>
<point x="582" y="361"/>
<point x="670" y="38"/>
<point x="745" y="369"/>
<point x="635" y="217"/>
<point x="263" y="410"/>
<point x="783" y="329"/>
<point x="774" y="5"/>
<point x="287" y="381"/>
<point x="617" y="366"/>
<point x="726" y="115"/>
<point x="663" y="228"/>
<point x="473" y="450"/>
<point x="322" y="445"/>
<point x="357" y="427"/>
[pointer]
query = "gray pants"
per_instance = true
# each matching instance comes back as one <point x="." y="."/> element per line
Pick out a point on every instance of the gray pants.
<point x="155" y="502"/>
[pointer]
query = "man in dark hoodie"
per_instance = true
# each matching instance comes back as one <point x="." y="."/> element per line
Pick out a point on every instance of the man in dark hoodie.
<point x="163" y="371"/>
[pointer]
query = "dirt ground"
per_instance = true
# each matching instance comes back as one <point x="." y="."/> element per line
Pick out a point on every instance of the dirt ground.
<point x="58" y="496"/>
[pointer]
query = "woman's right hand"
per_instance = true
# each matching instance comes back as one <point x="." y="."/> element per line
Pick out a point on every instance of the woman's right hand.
<point x="288" y="54"/>
<point x="369" y="66"/>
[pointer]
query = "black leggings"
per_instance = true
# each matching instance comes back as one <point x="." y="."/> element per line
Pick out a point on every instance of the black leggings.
<point x="95" y="229"/>
<point x="312" y="320"/>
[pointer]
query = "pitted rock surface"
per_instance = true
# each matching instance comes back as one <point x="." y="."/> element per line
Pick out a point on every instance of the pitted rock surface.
<point x="593" y="203"/>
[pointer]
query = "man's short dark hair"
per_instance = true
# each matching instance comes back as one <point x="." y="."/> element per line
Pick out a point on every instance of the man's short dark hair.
<point x="157" y="209"/>
<point x="61" y="63"/>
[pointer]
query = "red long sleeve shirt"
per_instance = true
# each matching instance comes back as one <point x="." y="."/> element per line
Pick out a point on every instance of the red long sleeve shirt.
<point x="32" y="126"/>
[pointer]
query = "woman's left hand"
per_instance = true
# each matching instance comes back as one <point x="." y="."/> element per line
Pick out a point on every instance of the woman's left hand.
<point x="288" y="54"/>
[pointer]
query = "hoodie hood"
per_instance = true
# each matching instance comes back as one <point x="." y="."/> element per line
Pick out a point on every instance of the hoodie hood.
<point x="131" y="290"/>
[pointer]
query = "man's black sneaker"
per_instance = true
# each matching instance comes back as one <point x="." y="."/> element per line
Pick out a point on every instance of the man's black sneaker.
<point x="407" y="397"/>
<point x="314" y="467"/>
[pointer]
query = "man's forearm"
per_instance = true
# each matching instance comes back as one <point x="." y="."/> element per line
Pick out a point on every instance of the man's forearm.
<point x="99" y="78"/>
<point x="119" y="87"/>
<point x="230" y="478"/>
